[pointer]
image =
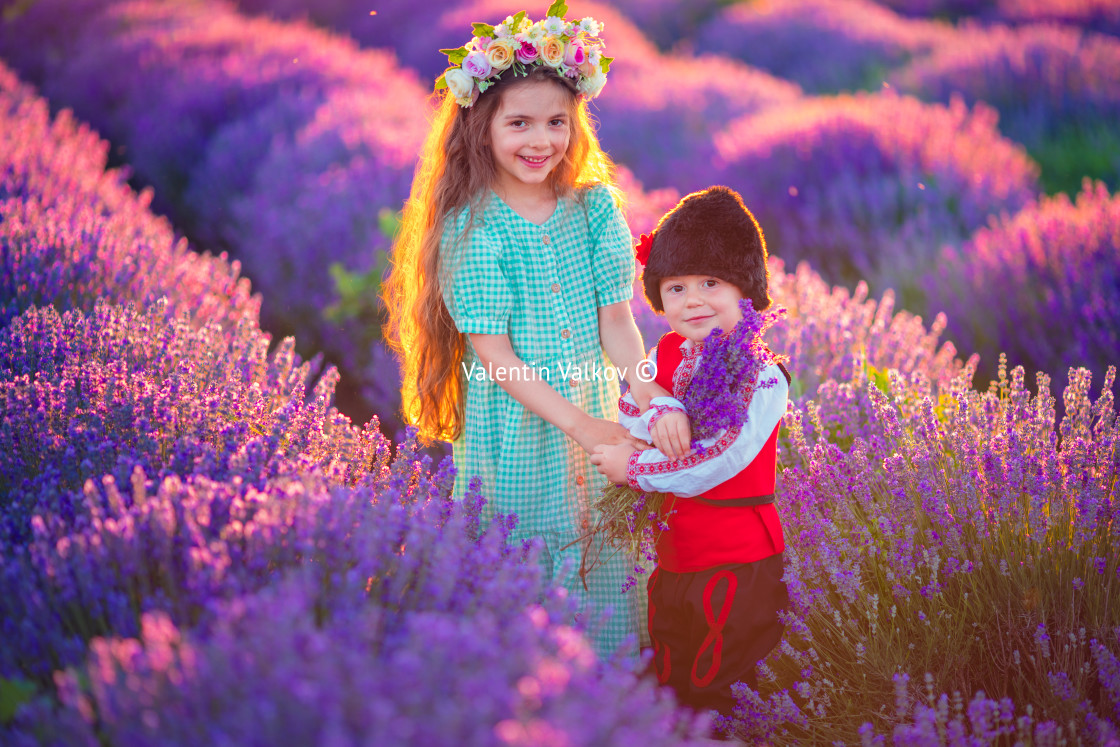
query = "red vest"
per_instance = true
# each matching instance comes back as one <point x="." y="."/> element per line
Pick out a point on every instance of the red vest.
<point x="702" y="536"/>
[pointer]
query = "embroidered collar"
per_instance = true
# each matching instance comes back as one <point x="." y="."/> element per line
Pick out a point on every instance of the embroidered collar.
<point x="691" y="348"/>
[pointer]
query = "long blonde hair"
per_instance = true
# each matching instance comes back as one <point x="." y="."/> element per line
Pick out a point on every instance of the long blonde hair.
<point x="456" y="168"/>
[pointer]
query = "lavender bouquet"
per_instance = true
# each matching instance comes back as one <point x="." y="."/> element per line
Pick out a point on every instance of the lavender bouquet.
<point x="718" y="397"/>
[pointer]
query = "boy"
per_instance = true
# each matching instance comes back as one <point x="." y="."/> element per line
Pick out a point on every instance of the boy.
<point x="715" y="594"/>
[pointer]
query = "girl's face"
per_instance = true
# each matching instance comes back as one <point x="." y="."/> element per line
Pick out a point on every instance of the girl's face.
<point x="697" y="304"/>
<point x="529" y="135"/>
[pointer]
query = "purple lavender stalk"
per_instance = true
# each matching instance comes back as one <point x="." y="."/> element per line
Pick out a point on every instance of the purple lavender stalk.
<point x="721" y="389"/>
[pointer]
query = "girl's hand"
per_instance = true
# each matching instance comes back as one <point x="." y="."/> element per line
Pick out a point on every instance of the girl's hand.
<point x="672" y="435"/>
<point x="596" y="432"/>
<point x="612" y="461"/>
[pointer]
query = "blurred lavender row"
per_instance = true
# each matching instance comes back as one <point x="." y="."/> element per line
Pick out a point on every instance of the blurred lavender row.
<point x="855" y="43"/>
<point x="1057" y="91"/>
<point x="72" y="232"/>
<point x="1099" y="15"/>
<point x="871" y="186"/>
<point x="252" y="133"/>
<point x="1053" y="272"/>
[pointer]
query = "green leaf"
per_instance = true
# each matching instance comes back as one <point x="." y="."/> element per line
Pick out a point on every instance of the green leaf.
<point x="558" y="8"/>
<point x="517" y="19"/>
<point x="879" y="377"/>
<point x="606" y="64"/>
<point x="356" y="292"/>
<point x="441" y="83"/>
<point x="389" y="223"/>
<point x="13" y="694"/>
<point x="455" y="56"/>
<point x="482" y="29"/>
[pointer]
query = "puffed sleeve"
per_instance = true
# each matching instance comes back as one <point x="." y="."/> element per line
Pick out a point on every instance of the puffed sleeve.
<point x="612" y="248"/>
<point x="473" y="280"/>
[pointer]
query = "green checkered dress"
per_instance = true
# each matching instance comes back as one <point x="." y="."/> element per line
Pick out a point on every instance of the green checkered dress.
<point x="542" y="285"/>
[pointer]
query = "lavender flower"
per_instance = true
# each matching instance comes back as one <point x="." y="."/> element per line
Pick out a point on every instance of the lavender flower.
<point x="83" y="396"/>
<point x="903" y="534"/>
<point x="396" y="598"/>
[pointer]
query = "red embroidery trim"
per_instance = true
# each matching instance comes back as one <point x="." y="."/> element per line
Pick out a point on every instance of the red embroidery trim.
<point x="714" y="639"/>
<point x="634" y="469"/>
<point x="628" y="409"/>
<point x="660" y="411"/>
<point x="682" y="377"/>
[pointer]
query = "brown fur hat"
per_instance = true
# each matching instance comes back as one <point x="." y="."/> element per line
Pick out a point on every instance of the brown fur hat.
<point x="709" y="232"/>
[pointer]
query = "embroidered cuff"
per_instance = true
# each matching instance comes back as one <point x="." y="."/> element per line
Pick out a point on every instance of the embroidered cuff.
<point x="628" y="408"/>
<point x="660" y="411"/>
<point x="632" y="471"/>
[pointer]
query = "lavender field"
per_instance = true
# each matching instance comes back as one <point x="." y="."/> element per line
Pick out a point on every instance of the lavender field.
<point x="214" y="528"/>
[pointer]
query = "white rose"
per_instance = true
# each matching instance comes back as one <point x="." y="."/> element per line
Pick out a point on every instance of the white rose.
<point x="593" y="85"/>
<point x="461" y="85"/>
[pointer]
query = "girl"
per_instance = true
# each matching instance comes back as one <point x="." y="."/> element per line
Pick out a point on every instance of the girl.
<point x="511" y="276"/>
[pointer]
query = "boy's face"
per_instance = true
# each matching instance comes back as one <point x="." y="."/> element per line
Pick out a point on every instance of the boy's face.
<point x="697" y="304"/>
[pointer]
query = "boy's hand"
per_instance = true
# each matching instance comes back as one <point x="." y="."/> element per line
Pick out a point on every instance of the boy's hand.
<point x="672" y="435"/>
<point x="612" y="460"/>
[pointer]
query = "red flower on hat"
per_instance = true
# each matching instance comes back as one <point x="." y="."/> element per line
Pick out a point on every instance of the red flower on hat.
<point x="641" y="250"/>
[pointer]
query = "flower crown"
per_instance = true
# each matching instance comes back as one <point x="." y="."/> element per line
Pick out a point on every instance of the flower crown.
<point x="574" y="49"/>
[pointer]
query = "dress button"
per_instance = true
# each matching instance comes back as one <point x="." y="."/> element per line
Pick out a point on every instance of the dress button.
<point x="546" y="239"/>
<point x="565" y="333"/>
<point x="585" y="524"/>
<point x="579" y="479"/>
<point x="573" y="382"/>
<point x="556" y="287"/>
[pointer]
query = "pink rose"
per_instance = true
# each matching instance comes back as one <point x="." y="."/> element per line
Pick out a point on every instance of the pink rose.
<point x="527" y="53"/>
<point x="477" y="65"/>
<point x="576" y="54"/>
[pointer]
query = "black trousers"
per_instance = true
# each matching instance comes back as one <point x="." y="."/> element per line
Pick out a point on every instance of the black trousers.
<point x="710" y="628"/>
